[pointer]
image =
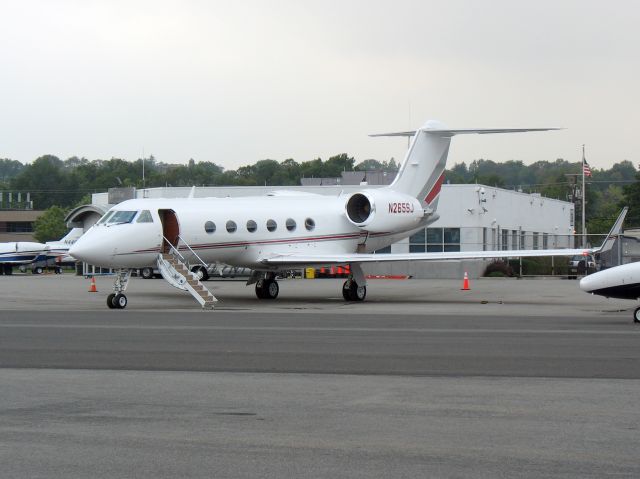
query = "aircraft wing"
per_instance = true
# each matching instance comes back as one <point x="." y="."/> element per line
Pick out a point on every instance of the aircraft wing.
<point x="294" y="259"/>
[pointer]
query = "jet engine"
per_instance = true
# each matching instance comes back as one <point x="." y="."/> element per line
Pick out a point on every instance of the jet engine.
<point x="380" y="211"/>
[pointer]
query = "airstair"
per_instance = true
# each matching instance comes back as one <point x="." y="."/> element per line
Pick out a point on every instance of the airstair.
<point x="173" y="268"/>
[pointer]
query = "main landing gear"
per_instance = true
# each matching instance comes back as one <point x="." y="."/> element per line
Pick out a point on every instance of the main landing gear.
<point x="117" y="299"/>
<point x="636" y="315"/>
<point x="355" y="287"/>
<point x="351" y="291"/>
<point x="267" y="288"/>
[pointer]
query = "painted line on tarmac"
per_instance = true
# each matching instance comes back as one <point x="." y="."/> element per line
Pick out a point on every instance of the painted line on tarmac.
<point x="585" y="332"/>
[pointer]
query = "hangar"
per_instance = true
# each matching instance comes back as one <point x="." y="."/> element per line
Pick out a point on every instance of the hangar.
<point x="472" y="217"/>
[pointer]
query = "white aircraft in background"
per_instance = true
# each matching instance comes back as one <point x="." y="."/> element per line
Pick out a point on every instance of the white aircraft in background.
<point x="16" y="253"/>
<point x="284" y="229"/>
<point x="24" y="253"/>
<point x="622" y="282"/>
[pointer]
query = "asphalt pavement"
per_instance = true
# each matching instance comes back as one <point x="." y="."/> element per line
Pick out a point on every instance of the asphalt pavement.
<point x="510" y="379"/>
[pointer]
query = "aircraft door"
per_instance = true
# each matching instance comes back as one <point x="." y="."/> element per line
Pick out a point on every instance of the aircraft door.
<point x="170" y="229"/>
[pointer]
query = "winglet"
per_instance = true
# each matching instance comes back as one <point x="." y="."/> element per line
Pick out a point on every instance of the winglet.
<point x="613" y="234"/>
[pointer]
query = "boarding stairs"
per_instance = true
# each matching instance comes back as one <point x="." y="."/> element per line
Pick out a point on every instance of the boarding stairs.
<point x="173" y="268"/>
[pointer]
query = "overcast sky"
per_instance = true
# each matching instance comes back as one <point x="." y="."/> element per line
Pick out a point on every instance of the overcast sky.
<point x="237" y="82"/>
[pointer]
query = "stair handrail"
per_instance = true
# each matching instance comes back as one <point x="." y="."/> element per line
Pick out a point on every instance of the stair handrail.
<point x="174" y="249"/>
<point x="180" y="238"/>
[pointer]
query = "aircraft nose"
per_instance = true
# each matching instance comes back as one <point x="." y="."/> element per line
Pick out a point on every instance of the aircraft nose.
<point x="587" y="283"/>
<point x="79" y="250"/>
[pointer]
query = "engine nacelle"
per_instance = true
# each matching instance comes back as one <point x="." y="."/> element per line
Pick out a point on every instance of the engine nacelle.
<point x="379" y="211"/>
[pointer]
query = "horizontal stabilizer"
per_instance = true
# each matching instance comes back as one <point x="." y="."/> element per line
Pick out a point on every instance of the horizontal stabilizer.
<point x="465" y="131"/>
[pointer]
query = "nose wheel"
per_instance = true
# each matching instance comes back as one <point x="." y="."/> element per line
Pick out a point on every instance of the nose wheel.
<point x="116" y="301"/>
<point x="636" y="315"/>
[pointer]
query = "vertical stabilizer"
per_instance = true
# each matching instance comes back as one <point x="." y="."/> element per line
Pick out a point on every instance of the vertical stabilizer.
<point x="421" y="174"/>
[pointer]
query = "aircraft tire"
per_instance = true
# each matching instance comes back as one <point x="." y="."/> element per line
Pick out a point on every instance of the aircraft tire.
<point x="120" y="301"/>
<point x="352" y="292"/>
<point x="260" y="289"/>
<point x="110" y="302"/>
<point x="346" y="290"/>
<point x="271" y="289"/>
<point x="636" y="315"/>
<point x="146" y="273"/>
<point x="201" y="272"/>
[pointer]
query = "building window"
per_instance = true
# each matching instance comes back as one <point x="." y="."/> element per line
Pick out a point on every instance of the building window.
<point x="505" y="240"/>
<point x="435" y="240"/>
<point x="522" y="239"/>
<point x="19" y="227"/>
<point x="416" y="242"/>
<point x="210" y="227"/>
<point x="310" y="224"/>
<point x="252" y="226"/>
<point x="535" y="240"/>
<point x="514" y="239"/>
<point x="545" y="240"/>
<point x="271" y="225"/>
<point x="231" y="226"/>
<point x="290" y="224"/>
<point x="385" y="250"/>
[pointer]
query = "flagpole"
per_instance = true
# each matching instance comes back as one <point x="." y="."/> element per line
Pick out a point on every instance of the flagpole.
<point x="584" y="201"/>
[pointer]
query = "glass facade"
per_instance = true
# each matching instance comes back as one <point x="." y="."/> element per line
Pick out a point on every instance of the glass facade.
<point x="435" y="240"/>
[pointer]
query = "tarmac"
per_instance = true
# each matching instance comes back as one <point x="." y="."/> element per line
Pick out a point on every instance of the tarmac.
<point x="513" y="378"/>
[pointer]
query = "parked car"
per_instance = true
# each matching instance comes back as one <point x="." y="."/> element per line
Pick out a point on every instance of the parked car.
<point x="581" y="265"/>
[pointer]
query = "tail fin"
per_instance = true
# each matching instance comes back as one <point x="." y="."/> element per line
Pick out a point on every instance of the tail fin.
<point x="607" y="244"/>
<point x="421" y="174"/>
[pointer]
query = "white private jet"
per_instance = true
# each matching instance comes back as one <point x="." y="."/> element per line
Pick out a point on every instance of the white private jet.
<point x="16" y="253"/>
<point x="283" y="230"/>
<point x="622" y="282"/>
<point x="24" y="253"/>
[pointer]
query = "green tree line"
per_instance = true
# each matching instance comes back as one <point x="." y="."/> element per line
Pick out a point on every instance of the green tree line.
<point x="65" y="183"/>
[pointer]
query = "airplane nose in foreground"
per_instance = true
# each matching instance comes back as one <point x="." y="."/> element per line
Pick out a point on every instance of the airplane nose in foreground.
<point x="77" y="251"/>
<point x="587" y="284"/>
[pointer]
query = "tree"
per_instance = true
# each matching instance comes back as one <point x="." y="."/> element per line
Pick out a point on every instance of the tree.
<point x="50" y="226"/>
<point x="47" y="182"/>
<point x="9" y="169"/>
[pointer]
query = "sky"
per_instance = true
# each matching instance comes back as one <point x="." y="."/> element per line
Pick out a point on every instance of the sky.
<point x="237" y="82"/>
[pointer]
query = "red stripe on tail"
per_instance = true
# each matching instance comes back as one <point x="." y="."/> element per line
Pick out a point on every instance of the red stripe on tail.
<point x="435" y="191"/>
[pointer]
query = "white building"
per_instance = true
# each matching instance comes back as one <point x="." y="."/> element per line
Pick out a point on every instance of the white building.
<point x="472" y="217"/>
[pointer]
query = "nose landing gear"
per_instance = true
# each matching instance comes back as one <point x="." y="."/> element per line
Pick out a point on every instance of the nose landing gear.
<point x="117" y="299"/>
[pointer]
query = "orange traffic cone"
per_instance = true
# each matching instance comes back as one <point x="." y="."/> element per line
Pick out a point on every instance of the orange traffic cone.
<point x="92" y="288"/>
<point x="465" y="282"/>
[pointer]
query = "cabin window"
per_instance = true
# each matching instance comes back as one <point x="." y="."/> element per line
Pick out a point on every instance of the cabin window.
<point x="121" y="217"/>
<point x="210" y="227"/>
<point x="310" y="224"/>
<point x="271" y="225"/>
<point x="145" y="217"/>
<point x="106" y="217"/>
<point x="290" y="224"/>
<point x="231" y="226"/>
<point x="252" y="226"/>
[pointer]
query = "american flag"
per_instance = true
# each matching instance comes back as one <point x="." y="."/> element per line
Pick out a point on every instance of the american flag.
<point x="585" y="167"/>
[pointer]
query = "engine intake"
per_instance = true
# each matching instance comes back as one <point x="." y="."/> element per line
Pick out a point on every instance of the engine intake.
<point x="359" y="208"/>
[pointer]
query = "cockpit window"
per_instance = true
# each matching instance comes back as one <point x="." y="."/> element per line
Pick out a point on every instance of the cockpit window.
<point x="145" y="217"/>
<point x="105" y="217"/>
<point x="121" y="217"/>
